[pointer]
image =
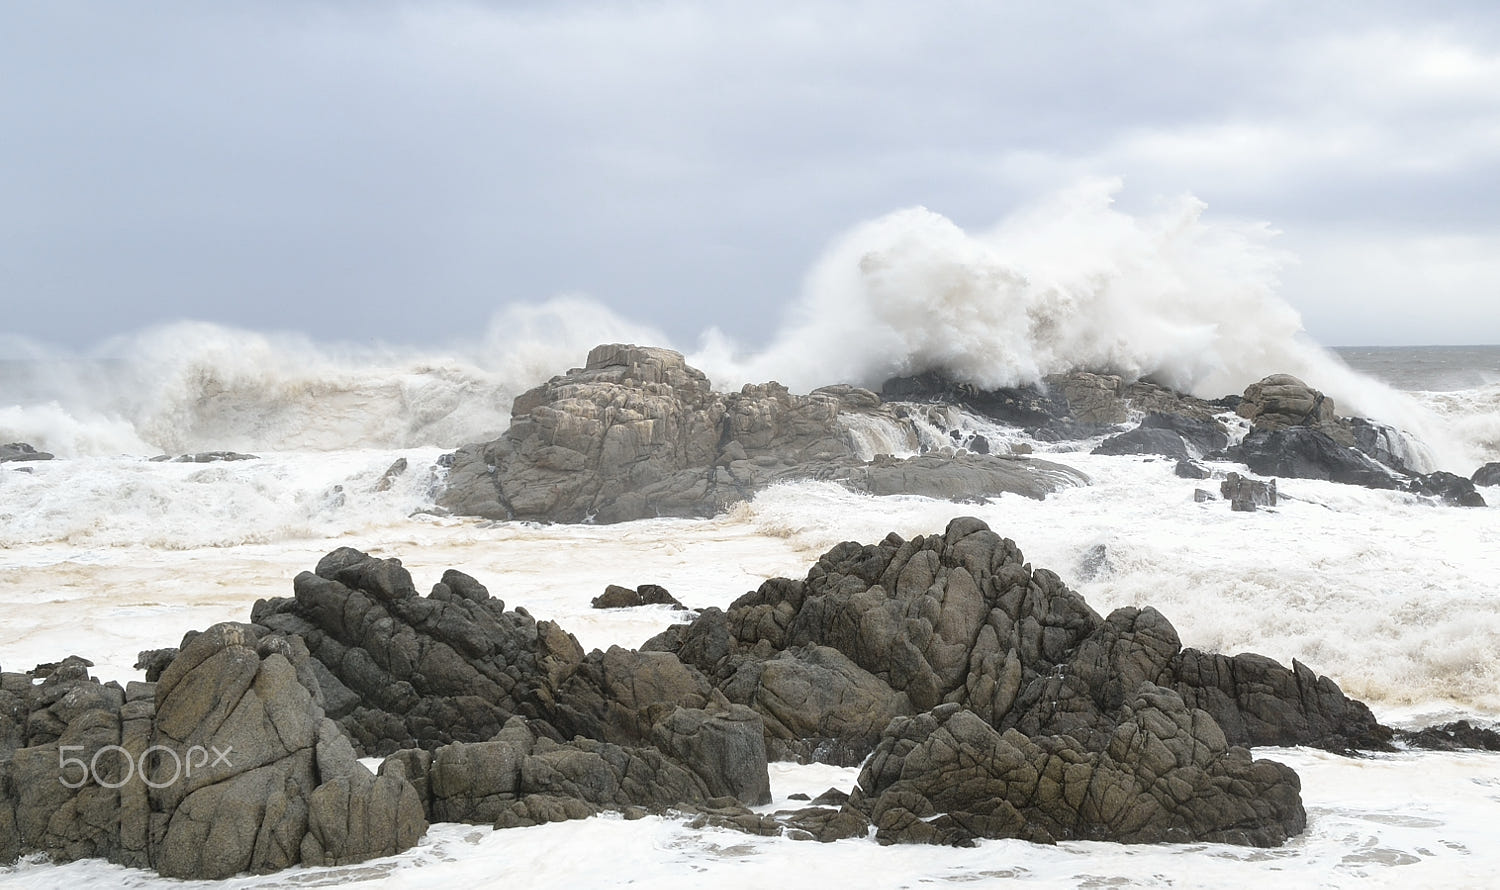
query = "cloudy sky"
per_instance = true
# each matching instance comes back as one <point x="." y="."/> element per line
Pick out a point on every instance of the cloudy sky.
<point x="398" y="171"/>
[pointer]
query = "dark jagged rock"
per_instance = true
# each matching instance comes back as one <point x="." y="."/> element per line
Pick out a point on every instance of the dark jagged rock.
<point x="1076" y="405"/>
<point x="961" y="618"/>
<point x="17" y="451"/>
<point x="1245" y="495"/>
<point x="1300" y="452"/>
<point x="639" y="433"/>
<point x="1383" y="443"/>
<point x="1487" y="475"/>
<point x="1450" y="487"/>
<point x="1461" y="735"/>
<point x="401" y="670"/>
<point x="1169" y="435"/>
<point x="617" y="597"/>
<point x="1166" y="773"/>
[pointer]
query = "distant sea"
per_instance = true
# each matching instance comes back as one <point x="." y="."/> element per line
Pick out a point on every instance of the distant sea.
<point x="1426" y="368"/>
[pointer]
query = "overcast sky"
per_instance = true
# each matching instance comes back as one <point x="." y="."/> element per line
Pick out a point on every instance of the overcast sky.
<point x="398" y="171"/>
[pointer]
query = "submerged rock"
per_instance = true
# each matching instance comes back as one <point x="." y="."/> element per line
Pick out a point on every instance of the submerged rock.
<point x="1245" y="495"/>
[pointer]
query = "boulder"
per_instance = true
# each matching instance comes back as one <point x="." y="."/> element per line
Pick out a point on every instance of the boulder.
<point x="1245" y="495"/>
<point x="1487" y="475"/>
<point x="1282" y="401"/>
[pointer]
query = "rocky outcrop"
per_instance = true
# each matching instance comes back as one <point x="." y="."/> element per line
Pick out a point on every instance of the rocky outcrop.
<point x="225" y="765"/>
<point x="1300" y="452"/>
<point x="1076" y="405"/>
<point x="1165" y="773"/>
<point x="639" y="433"/>
<point x="1487" y="475"/>
<point x="961" y="618"/>
<point x="996" y="703"/>
<point x="399" y="670"/>
<point x="1281" y="401"/>
<point x="16" y="451"/>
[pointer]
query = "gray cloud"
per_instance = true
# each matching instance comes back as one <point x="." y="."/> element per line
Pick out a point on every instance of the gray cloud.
<point x="399" y="171"/>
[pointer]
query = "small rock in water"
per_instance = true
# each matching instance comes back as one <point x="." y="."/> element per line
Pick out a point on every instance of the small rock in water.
<point x="617" y="597"/>
<point x="1188" y="469"/>
<point x="1245" y="495"/>
<point x="1201" y="497"/>
<point x="388" y="478"/>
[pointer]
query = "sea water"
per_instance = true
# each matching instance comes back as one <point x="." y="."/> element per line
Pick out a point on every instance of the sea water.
<point x="106" y="553"/>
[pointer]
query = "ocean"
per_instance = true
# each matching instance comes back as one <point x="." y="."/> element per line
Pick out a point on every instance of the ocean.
<point x="104" y="553"/>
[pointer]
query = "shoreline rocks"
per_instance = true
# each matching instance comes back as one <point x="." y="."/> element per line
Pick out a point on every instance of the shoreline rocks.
<point x="639" y="433"/>
<point x="980" y="696"/>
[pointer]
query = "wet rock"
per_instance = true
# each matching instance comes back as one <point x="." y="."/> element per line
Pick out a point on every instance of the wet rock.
<point x="413" y="671"/>
<point x="1166" y="773"/>
<point x="1487" y="475"/>
<point x="1300" y="452"/>
<point x="1245" y="495"/>
<point x="1449" y="487"/>
<point x="1188" y="469"/>
<point x="1385" y="444"/>
<point x="1460" y="735"/>
<point x="1202" y="497"/>
<point x="392" y="473"/>
<point x="617" y="597"/>
<point x="18" y="451"/>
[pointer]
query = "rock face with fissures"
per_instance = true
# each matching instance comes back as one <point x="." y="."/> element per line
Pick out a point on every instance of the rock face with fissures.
<point x="637" y="432"/>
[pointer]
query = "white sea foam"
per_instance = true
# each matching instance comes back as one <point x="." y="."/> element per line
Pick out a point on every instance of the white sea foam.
<point x="193" y="386"/>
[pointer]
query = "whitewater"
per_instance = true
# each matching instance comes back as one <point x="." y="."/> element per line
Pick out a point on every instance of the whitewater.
<point x="105" y="552"/>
